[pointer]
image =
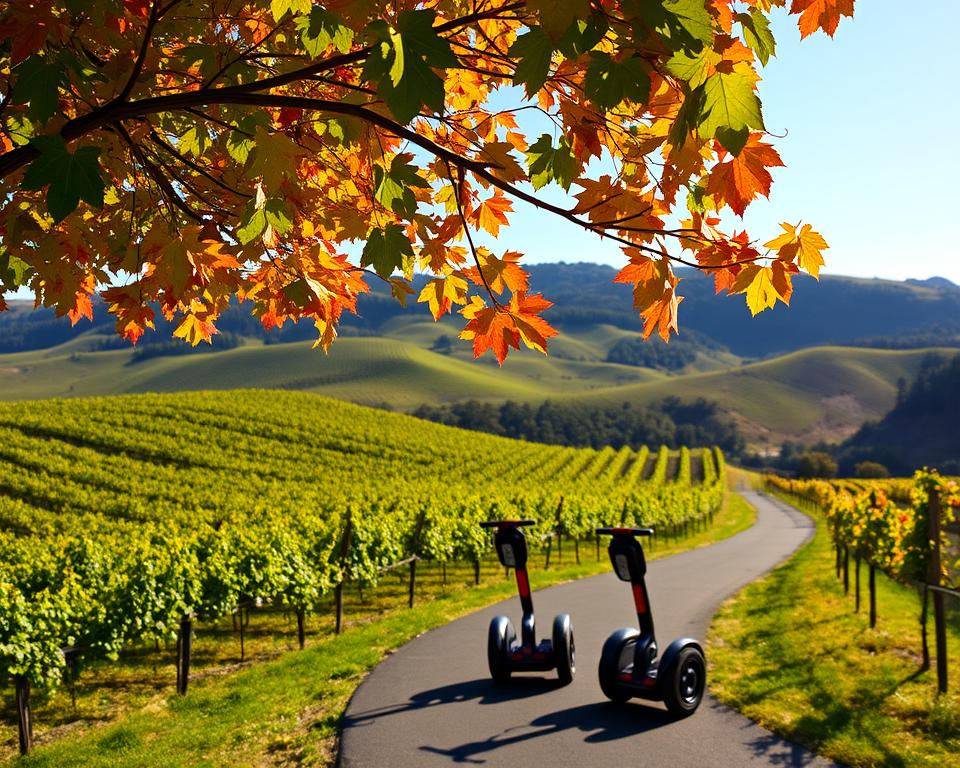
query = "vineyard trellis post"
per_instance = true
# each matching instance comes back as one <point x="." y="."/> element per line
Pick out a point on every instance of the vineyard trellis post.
<point x="856" y="581"/>
<point x="846" y="571"/>
<point x="24" y="718"/>
<point x="345" y="540"/>
<point x="925" y="665"/>
<point x="934" y="577"/>
<point x="873" y="596"/>
<point x="301" y="630"/>
<point x="415" y="555"/>
<point x="184" y="649"/>
<point x="555" y="535"/>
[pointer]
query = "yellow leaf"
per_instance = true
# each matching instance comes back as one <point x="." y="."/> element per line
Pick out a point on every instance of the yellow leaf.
<point x="761" y="294"/>
<point x="804" y="246"/>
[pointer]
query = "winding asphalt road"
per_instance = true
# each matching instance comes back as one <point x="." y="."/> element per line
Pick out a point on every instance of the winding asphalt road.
<point x="432" y="703"/>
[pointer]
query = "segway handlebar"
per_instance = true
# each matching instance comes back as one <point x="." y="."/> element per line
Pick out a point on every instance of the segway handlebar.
<point x="609" y="531"/>
<point x="507" y="523"/>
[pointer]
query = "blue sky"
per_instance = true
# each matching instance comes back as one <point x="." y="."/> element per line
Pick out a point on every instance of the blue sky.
<point x="870" y="118"/>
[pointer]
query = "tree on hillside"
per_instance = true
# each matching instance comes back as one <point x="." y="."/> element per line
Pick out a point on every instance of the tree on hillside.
<point x="175" y="154"/>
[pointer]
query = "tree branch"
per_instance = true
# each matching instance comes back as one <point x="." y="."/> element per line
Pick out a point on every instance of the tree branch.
<point x="142" y="56"/>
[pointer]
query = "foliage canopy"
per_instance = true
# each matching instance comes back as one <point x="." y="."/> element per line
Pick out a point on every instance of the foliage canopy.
<point x="175" y="154"/>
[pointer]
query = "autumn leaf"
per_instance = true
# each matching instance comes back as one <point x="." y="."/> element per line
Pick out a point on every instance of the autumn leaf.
<point x="803" y="246"/>
<point x="492" y="212"/>
<point x="498" y="273"/>
<point x="820" y="14"/>
<point x="441" y="293"/>
<point x="489" y="328"/>
<point x="533" y="329"/>
<point x="745" y="176"/>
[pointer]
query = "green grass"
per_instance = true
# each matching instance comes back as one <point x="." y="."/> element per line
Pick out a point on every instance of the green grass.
<point x="285" y="707"/>
<point x="789" y="652"/>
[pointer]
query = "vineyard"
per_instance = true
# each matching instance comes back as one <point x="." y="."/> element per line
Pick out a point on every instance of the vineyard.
<point x="119" y="517"/>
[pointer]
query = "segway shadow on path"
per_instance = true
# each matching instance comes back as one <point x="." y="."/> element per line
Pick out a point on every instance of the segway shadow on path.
<point x="432" y="703"/>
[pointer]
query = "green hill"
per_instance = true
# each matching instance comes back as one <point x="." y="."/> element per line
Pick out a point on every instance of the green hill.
<point x="819" y="393"/>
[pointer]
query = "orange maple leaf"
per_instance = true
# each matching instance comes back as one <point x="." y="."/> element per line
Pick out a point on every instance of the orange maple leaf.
<point x="499" y="273"/>
<point x="820" y="14"/>
<point x="745" y="176"/>
<point x="489" y="328"/>
<point x="525" y="311"/>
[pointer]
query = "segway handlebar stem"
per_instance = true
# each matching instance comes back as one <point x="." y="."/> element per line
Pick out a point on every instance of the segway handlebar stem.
<point x="507" y="523"/>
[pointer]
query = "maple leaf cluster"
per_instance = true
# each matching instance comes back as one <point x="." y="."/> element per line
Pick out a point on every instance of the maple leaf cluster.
<point x="174" y="156"/>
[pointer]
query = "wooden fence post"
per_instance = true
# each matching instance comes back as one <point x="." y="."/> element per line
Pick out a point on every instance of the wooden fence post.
<point x="846" y="571"/>
<point x="934" y="578"/>
<point x="923" y="631"/>
<point x="559" y="531"/>
<point x="184" y="649"/>
<point x="856" y="580"/>
<point x="338" y="590"/>
<point x="873" y="596"/>
<point x="476" y="571"/>
<point x="24" y="718"/>
<point x="415" y="556"/>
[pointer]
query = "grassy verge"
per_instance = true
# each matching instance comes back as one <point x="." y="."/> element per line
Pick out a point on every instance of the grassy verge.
<point x="790" y="653"/>
<point x="285" y="711"/>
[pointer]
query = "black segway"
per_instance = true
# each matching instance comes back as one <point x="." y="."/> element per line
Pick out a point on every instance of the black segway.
<point x="504" y="654"/>
<point x="628" y="663"/>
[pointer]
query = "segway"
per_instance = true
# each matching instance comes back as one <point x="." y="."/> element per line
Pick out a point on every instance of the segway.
<point x="504" y="654"/>
<point x="628" y="663"/>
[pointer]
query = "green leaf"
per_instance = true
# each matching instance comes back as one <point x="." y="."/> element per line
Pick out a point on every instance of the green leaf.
<point x="394" y="188"/>
<point x="385" y="249"/>
<point x="401" y="65"/>
<point x="194" y="142"/>
<point x="279" y="8"/>
<point x="608" y="82"/>
<point x="730" y="102"/>
<point x="557" y="16"/>
<point x="71" y="177"/>
<point x="240" y="142"/>
<point x="733" y="140"/>
<point x="321" y="29"/>
<point x="582" y="36"/>
<point x="14" y="271"/>
<point x="533" y="51"/>
<point x="38" y="83"/>
<point x="253" y="224"/>
<point x="756" y="30"/>
<point x="683" y="25"/>
<point x="547" y="163"/>
<point x="688" y="117"/>
<point x="693" y="18"/>
<point x="692" y="69"/>
<point x="278" y="215"/>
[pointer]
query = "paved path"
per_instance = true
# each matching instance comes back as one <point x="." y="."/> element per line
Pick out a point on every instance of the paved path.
<point x="432" y="703"/>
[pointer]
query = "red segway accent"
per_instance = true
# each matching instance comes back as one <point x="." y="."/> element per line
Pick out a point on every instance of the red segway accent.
<point x="523" y="584"/>
<point x="639" y="600"/>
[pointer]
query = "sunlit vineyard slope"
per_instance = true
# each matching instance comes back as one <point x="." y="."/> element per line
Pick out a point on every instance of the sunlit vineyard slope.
<point x="118" y="516"/>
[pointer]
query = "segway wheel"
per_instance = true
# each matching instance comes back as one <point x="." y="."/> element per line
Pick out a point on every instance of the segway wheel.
<point x="500" y="642"/>
<point x="617" y="653"/>
<point x="564" y="650"/>
<point x="685" y="682"/>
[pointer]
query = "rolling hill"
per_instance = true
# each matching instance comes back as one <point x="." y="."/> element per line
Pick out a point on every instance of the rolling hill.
<point x="819" y="393"/>
<point x="815" y="371"/>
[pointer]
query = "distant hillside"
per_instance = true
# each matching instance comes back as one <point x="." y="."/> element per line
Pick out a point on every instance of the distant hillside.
<point x="838" y="311"/>
<point x="923" y="428"/>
